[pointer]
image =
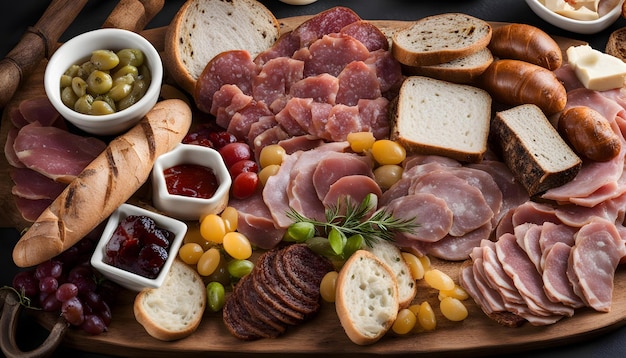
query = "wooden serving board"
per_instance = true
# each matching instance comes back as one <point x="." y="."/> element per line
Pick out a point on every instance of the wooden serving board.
<point x="323" y="334"/>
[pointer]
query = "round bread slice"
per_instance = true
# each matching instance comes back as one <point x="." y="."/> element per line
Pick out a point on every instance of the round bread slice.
<point x="616" y="44"/>
<point x="440" y="38"/>
<point x="391" y="255"/>
<point x="367" y="298"/>
<point x="202" y="29"/>
<point x="174" y="310"/>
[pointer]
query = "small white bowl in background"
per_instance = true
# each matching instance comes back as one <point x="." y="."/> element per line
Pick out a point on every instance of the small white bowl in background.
<point x="578" y="26"/>
<point x="78" y="50"/>
<point x="186" y="207"/>
<point x="128" y="279"/>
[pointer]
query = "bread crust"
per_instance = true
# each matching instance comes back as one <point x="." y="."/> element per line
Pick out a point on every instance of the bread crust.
<point x="108" y="181"/>
<point x="152" y="326"/>
<point x="178" y="36"/>
<point x="345" y="309"/>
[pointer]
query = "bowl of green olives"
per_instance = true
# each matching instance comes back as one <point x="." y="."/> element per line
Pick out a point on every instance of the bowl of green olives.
<point x="104" y="81"/>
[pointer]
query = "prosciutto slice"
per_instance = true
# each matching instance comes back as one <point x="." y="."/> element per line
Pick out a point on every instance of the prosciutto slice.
<point x="31" y="185"/>
<point x="55" y="153"/>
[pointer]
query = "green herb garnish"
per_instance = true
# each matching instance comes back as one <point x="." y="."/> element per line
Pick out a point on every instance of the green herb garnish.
<point x="349" y="220"/>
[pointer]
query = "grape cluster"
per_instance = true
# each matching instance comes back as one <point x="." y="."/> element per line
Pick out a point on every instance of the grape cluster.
<point x="69" y="284"/>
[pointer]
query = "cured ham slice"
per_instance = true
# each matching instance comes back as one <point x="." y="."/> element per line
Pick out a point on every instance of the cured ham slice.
<point x="275" y="191"/>
<point x="351" y="187"/>
<point x="255" y="221"/>
<point x="527" y="279"/>
<point x="458" y="248"/>
<point x="9" y="151"/>
<point x="593" y="261"/>
<point x="34" y="186"/>
<point x="55" y="153"/>
<point x="556" y="285"/>
<point x="433" y="214"/>
<point x="329" y="169"/>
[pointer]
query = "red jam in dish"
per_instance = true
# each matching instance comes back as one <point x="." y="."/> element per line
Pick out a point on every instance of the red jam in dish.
<point x="139" y="246"/>
<point x="191" y="180"/>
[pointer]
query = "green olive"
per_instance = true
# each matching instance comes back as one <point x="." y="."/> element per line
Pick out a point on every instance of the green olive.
<point x="99" y="82"/>
<point x="215" y="296"/>
<point x="66" y="81"/>
<point x="83" y="104"/>
<point x="139" y="89"/>
<point x="100" y="107"/>
<point x="79" y="86"/>
<point x="239" y="268"/>
<point x="119" y="91"/>
<point x="106" y="98"/>
<point x="68" y="97"/>
<point x="86" y="69"/>
<point x="299" y="232"/>
<point x="131" y="56"/>
<point x="72" y="71"/>
<point x="126" y="70"/>
<point x="104" y="59"/>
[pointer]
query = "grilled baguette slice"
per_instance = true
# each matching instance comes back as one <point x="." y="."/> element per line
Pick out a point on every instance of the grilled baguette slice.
<point x="174" y="310"/>
<point x="367" y="298"/>
<point x="440" y="38"/>
<point x="202" y="29"/>
<point x="536" y="154"/>
<point x="442" y="118"/>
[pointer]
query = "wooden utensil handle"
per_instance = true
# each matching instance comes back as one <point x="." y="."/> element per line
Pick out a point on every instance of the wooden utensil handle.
<point x="133" y="15"/>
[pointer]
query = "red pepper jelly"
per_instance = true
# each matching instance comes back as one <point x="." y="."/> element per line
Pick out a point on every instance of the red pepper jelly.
<point x="191" y="180"/>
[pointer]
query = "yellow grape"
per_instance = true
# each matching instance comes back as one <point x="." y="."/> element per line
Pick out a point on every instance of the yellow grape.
<point x="405" y="322"/>
<point x="272" y="154"/>
<point x="190" y="253"/>
<point x="328" y="286"/>
<point x="426" y="317"/>
<point x="387" y="175"/>
<point x="438" y="280"/>
<point x="360" y="141"/>
<point x="193" y="235"/>
<point x="208" y="262"/>
<point x="267" y="172"/>
<point x="425" y="262"/>
<point x="386" y="151"/>
<point x="230" y="216"/>
<point x="237" y="245"/>
<point x="453" y="309"/>
<point x="457" y="292"/>
<point x="415" y="265"/>
<point x="213" y="228"/>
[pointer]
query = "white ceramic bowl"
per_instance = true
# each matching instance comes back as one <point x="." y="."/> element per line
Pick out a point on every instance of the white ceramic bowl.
<point x="128" y="279"/>
<point x="577" y="26"/>
<point x="186" y="207"/>
<point x="78" y="50"/>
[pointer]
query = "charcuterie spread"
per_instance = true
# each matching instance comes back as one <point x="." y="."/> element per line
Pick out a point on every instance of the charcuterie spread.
<point x="406" y="179"/>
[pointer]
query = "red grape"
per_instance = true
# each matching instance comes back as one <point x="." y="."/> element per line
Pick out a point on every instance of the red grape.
<point x="243" y="166"/>
<point x="50" y="303"/>
<point x="66" y="291"/>
<point x="50" y="268"/>
<point x="93" y="324"/>
<point x="221" y="139"/>
<point x="48" y="284"/>
<point x="244" y="185"/>
<point x="233" y="152"/>
<point x="26" y="283"/>
<point x="72" y="311"/>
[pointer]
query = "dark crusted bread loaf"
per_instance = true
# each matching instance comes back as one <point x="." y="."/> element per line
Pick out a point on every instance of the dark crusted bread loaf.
<point x="616" y="44"/>
<point x="535" y="152"/>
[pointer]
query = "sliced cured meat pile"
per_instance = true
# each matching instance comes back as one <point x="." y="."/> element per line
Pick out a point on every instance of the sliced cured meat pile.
<point x="542" y="272"/>
<point x="281" y="291"/>
<point x="309" y="181"/>
<point x="332" y="75"/>
<point x="457" y="206"/>
<point x="44" y="156"/>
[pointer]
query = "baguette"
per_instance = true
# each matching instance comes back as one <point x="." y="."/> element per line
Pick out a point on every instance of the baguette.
<point x="174" y="310"/>
<point x="366" y="298"/>
<point x="435" y="117"/>
<point x="535" y="152"/>
<point x="440" y="38"/>
<point x="107" y="182"/>
<point x="201" y="29"/>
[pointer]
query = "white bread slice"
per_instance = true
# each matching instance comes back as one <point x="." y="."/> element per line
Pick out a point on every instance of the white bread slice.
<point x="442" y="118"/>
<point x="174" y="310"/>
<point x="533" y="149"/>
<point x="367" y="298"/>
<point x="391" y="255"/>
<point x="202" y="29"/>
<point x="440" y="38"/>
<point x="464" y="70"/>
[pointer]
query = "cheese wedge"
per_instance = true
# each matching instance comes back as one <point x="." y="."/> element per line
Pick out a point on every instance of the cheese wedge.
<point x="596" y="70"/>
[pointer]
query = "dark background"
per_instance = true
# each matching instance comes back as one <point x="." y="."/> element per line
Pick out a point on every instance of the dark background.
<point x="16" y="16"/>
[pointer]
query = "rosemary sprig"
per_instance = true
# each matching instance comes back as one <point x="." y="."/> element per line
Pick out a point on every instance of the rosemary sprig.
<point x="352" y="219"/>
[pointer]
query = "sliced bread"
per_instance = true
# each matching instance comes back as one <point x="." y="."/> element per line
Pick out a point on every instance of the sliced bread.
<point x="367" y="298"/>
<point x="616" y="44"/>
<point x="533" y="149"/>
<point x="391" y="255"/>
<point x="440" y="38"/>
<point x="442" y="118"/>
<point x="463" y="70"/>
<point x="202" y="29"/>
<point x="174" y="310"/>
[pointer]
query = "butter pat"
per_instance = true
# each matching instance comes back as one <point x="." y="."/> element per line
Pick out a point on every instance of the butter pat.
<point x="596" y="70"/>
